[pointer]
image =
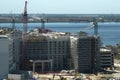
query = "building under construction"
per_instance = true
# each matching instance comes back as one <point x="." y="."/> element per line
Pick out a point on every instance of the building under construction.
<point x="44" y="50"/>
<point x="55" y="51"/>
<point x="85" y="53"/>
<point x="48" y="52"/>
<point x="88" y="53"/>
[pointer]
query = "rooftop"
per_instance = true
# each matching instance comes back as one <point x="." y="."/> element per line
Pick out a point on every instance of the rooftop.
<point x="3" y="36"/>
<point x="105" y="50"/>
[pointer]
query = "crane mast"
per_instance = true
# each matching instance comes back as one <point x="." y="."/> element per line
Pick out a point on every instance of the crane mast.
<point x="43" y="21"/>
<point x="95" y="26"/>
<point x="13" y="21"/>
<point x="25" y="20"/>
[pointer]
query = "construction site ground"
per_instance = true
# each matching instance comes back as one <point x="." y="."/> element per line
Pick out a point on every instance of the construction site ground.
<point x="108" y="75"/>
<point x="100" y="76"/>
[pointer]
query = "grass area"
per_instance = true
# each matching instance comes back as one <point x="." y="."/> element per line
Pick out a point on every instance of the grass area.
<point x="117" y="57"/>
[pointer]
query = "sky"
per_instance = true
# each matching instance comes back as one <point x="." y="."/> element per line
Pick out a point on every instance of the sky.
<point x="62" y="6"/>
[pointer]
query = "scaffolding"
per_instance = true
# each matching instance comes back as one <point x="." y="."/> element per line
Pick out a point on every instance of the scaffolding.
<point x="74" y="55"/>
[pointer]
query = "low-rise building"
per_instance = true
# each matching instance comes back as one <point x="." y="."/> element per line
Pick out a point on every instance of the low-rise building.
<point x="106" y="58"/>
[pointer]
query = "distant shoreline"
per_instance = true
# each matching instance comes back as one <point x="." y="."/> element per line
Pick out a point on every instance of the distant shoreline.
<point x="61" y="22"/>
<point x="76" y="18"/>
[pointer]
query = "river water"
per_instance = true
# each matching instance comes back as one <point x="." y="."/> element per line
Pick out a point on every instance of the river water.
<point x="109" y="32"/>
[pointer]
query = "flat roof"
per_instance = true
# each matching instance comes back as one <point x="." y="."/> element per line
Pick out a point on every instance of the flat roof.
<point x="4" y="36"/>
<point x="105" y="50"/>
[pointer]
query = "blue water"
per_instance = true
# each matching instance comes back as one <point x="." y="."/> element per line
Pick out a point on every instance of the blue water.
<point x="109" y="32"/>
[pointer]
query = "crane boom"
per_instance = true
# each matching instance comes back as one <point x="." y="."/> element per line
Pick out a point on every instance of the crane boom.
<point x="25" y="9"/>
<point x="94" y="25"/>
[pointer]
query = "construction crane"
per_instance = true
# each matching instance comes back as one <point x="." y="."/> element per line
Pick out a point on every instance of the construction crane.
<point x="94" y="25"/>
<point x="25" y="21"/>
<point x="13" y="21"/>
<point x="25" y="17"/>
<point x="42" y="20"/>
<point x="75" y="56"/>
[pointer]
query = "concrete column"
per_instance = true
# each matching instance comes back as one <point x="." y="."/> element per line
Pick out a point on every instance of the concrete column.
<point x="51" y="65"/>
<point x="33" y="67"/>
<point x="42" y="66"/>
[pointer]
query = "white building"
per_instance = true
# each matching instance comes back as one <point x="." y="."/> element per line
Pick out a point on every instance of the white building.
<point x="16" y="36"/>
<point x="6" y="56"/>
<point x="9" y="50"/>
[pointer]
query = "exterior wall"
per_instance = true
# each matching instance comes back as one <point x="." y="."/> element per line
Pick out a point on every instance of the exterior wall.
<point x="74" y="53"/>
<point x="16" y="77"/>
<point x="5" y="57"/>
<point x="16" y="36"/>
<point x="95" y="51"/>
<point x="57" y="49"/>
<point x="16" y="52"/>
<point x="88" y="51"/>
<point x="82" y="53"/>
<point x="8" y="57"/>
<point x="36" y="50"/>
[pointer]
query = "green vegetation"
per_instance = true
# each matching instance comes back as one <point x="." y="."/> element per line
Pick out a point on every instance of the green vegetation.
<point x="117" y="57"/>
<point x="116" y="50"/>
